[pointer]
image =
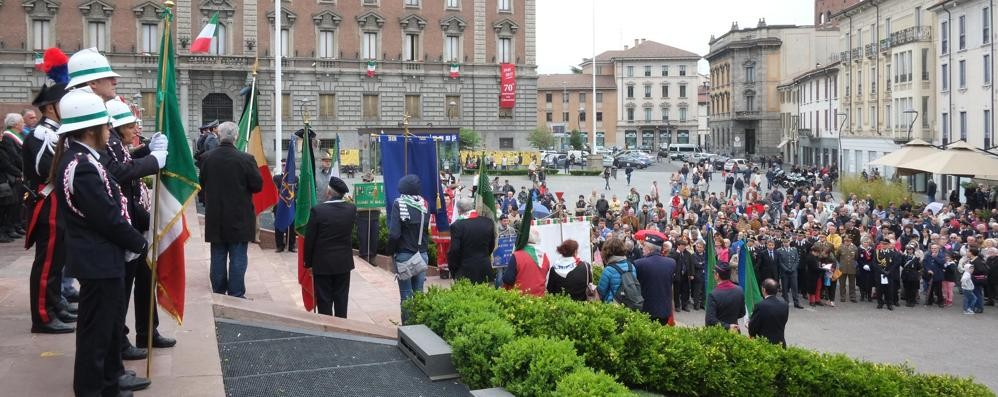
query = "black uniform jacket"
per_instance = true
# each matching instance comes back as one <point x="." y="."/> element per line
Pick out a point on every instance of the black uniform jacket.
<point x="229" y="178"/>
<point x="328" y="248"/>
<point x="95" y="241"/>
<point x="471" y="244"/>
<point x="769" y="319"/>
<point x="134" y="165"/>
<point x="655" y="273"/>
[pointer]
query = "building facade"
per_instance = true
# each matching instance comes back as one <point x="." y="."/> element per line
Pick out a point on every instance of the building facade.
<point x="565" y="104"/>
<point x="824" y="9"/>
<point x="810" y="118"/>
<point x="886" y="79"/>
<point x="746" y="67"/>
<point x="703" y="102"/>
<point x="656" y="93"/>
<point x="965" y="56"/>
<point x="327" y="46"/>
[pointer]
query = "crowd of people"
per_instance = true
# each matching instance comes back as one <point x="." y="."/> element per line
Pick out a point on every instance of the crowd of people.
<point x="809" y="245"/>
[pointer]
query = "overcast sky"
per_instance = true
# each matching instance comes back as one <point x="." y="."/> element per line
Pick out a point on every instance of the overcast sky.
<point x="564" y="27"/>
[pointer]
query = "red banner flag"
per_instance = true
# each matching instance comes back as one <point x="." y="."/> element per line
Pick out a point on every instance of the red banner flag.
<point x="507" y="85"/>
<point x="305" y="278"/>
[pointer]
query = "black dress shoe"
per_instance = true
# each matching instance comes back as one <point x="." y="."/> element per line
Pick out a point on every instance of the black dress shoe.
<point x="889" y="307"/>
<point x="53" y="327"/>
<point x="158" y="341"/>
<point x="5" y="238"/>
<point x="279" y="250"/>
<point x="798" y="305"/>
<point x="293" y="250"/>
<point x="66" y="316"/>
<point x="125" y="393"/>
<point x="132" y="382"/>
<point x="686" y="309"/>
<point x="73" y="297"/>
<point x="133" y="353"/>
<point x="129" y="372"/>
<point x="73" y="308"/>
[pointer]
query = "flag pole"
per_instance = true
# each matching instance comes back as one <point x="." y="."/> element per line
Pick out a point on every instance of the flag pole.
<point x="307" y="140"/>
<point x="153" y="254"/>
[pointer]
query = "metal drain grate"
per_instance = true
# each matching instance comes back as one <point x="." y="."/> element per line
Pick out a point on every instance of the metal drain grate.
<point x="259" y="361"/>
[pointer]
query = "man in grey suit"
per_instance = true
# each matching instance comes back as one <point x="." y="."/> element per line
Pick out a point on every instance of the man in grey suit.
<point x="789" y="263"/>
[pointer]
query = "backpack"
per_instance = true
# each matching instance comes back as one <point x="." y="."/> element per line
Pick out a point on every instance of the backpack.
<point x="629" y="292"/>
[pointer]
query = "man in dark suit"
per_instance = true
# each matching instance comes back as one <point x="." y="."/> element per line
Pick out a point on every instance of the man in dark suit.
<point x="769" y="319"/>
<point x="769" y="262"/>
<point x="655" y="274"/>
<point x="328" y="249"/>
<point x="229" y="179"/>
<point x="472" y="241"/>
<point x="285" y="237"/>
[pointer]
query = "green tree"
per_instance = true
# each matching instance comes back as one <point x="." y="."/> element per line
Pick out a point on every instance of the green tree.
<point x="541" y="138"/>
<point x="469" y="139"/>
<point x="576" y="140"/>
<point x="576" y="70"/>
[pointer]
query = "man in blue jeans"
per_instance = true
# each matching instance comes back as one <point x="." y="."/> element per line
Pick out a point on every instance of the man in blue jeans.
<point x="407" y="226"/>
<point x="229" y="178"/>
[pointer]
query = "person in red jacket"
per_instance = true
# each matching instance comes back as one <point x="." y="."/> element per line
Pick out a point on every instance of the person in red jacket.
<point x="528" y="268"/>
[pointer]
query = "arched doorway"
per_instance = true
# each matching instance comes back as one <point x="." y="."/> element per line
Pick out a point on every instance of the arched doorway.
<point x="216" y="106"/>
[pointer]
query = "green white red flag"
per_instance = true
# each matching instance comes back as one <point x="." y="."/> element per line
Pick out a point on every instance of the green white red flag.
<point x="175" y="188"/>
<point x="202" y="43"/>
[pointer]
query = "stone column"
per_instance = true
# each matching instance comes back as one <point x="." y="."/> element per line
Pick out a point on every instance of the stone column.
<point x="184" y="9"/>
<point x="530" y="32"/>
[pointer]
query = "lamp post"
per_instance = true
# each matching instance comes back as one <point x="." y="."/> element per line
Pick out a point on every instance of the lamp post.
<point x="838" y="130"/>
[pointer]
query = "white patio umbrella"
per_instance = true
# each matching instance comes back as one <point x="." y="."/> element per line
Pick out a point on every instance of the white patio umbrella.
<point x="911" y="151"/>
<point x="959" y="159"/>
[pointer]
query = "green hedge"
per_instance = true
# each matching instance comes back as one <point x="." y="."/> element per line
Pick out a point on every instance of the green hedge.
<point x="502" y="338"/>
<point x="882" y="191"/>
<point x="585" y="172"/>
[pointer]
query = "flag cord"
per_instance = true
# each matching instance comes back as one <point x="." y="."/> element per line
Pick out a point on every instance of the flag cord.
<point x="153" y="253"/>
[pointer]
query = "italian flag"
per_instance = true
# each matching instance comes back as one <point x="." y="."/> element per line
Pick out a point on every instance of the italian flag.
<point x="371" y="65"/>
<point x="251" y="142"/>
<point x="175" y="188"/>
<point x="203" y="42"/>
<point x="455" y="70"/>
<point x="39" y="61"/>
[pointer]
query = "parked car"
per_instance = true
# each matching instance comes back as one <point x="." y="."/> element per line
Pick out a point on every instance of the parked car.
<point x="633" y="160"/>
<point x="718" y="160"/>
<point x="680" y="151"/>
<point x="555" y="160"/>
<point x="742" y="164"/>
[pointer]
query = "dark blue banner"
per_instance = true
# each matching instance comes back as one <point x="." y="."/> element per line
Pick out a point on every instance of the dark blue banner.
<point x="284" y="212"/>
<point x="417" y="155"/>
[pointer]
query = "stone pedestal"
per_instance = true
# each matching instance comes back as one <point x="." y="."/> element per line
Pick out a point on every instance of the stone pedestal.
<point x="594" y="162"/>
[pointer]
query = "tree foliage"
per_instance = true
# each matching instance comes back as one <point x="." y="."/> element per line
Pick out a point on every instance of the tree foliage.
<point x="576" y="140"/>
<point x="469" y="139"/>
<point x="541" y="138"/>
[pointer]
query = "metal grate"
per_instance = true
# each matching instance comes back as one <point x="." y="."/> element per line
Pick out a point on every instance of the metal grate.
<point x="259" y="361"/>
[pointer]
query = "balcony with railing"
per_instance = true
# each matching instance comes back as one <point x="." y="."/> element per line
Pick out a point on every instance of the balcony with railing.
<point x="911" y="35"/>
<point x="871" y="51"/>
<point x="885" y="44"/>
<point x="857" y="53"/>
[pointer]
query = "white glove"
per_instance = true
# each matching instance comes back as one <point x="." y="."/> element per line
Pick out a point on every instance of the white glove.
<point x="131" y="256"/>
<point x="866" y="267"/>
<point x="160" y="156"/>
<point x="158" y="142"/>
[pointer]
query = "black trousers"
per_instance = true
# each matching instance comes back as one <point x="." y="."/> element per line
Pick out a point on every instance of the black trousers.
<point x="698" y="292"/>
<point x="910" y="291"/>
<point x="885" y="293"/>
<point x="935" y="294"/>
<point x="137" y="272"/>
<point x="285" y="238"/>
<point x="46" y="271"/>
<point x="331" y="292"/>
<point x="681" y="292"/>
<point x="98" y="337"/>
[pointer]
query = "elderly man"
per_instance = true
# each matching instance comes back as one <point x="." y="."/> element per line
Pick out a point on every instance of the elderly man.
<point x="10" y="179"/>
<point x="327" y="250"/>
<point x="30" y="121"/>
<point x="655" y="273"/>
<point x="229" y="178"/>
<point x="471" y="244"/>
<point x="769" y="318"/>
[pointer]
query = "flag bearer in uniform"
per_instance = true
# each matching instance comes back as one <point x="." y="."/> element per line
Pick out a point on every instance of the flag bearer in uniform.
<point x="327" y="249"/>
<point x="99" y="239"/>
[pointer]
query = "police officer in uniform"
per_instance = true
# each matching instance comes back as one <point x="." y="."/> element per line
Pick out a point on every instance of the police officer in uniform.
<point x="48" y="308"/>
<point x="100" y="238"/>
<point x="328" y="249"/>
<point x="124" y="129"/>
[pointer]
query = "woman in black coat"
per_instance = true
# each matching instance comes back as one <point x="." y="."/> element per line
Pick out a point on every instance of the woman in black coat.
<point x="568" y="274"/>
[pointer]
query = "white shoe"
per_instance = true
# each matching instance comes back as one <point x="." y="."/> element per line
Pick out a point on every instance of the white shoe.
<point x="968" y="312"/>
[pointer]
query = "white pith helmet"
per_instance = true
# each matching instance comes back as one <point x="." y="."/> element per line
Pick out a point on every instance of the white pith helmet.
<point x="120" y="113"/>
<point x="81" y="109"/>
<point x="88" y="65"/>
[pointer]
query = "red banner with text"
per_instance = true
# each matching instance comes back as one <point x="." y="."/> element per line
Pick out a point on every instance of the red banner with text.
<point x="507" y="84"/>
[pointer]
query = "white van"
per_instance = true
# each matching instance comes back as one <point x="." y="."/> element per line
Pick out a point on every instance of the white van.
<point x="682" y="151"/>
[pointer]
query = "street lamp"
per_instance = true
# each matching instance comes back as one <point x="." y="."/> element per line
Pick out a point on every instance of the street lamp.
<point x="844" y="117"/>
<point x="912" y="125"/>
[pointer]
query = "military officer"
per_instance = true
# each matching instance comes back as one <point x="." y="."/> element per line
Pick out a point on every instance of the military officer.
<point x="328" y="251"/>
